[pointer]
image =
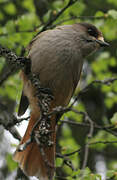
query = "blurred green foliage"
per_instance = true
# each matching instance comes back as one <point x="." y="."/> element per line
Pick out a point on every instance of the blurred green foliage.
<point x="11" y="164"/>
<point x="20" y="20"/>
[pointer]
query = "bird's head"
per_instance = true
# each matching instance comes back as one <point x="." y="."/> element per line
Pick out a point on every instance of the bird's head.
<point x="91" y="38"/>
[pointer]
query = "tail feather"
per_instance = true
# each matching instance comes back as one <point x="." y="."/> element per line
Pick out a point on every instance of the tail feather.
<point x="31" y="160"/>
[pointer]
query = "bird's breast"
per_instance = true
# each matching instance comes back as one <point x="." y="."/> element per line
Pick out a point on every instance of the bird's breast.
<point x="57" y="61"/>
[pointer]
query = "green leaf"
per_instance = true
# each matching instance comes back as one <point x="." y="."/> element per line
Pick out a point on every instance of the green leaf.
<point x="114" y="119"/>
<point x="110" y="173"/>
<point x="75" y="173"/>
<point x="99" y="13"/>
<point x="59" y="162"/>
<point x="112" y="13"/>
<point x="10" y="8"/>
<point x="10" y="27"/>
<point x="11" y="164"/>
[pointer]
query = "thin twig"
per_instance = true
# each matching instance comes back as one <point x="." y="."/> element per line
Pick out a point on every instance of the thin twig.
<point x="90" y="144"/>
<point x="54" y="18"/>
<point x="96" y="126"/>
<point x="14" y="133"/>
<point x="77" y="17"/>
<point x="90" y="134"/>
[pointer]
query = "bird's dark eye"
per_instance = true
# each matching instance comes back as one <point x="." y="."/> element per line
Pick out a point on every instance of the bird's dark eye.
<point x="92" y="32"/>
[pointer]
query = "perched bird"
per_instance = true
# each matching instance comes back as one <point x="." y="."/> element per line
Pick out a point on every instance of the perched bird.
<point x="57" y="57"/>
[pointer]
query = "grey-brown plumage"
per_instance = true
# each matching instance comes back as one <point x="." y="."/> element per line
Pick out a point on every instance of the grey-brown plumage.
<point x="57" y="57"/>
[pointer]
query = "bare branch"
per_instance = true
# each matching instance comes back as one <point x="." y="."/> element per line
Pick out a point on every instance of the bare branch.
<point x="13" y="59"/>
<point x="14" y="133"/>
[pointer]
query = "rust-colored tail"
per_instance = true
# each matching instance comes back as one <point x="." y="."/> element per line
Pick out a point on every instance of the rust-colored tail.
<point x="31" y="160"/>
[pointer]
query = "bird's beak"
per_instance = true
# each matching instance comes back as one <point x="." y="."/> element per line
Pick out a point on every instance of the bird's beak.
<point x="101" y="42"/>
